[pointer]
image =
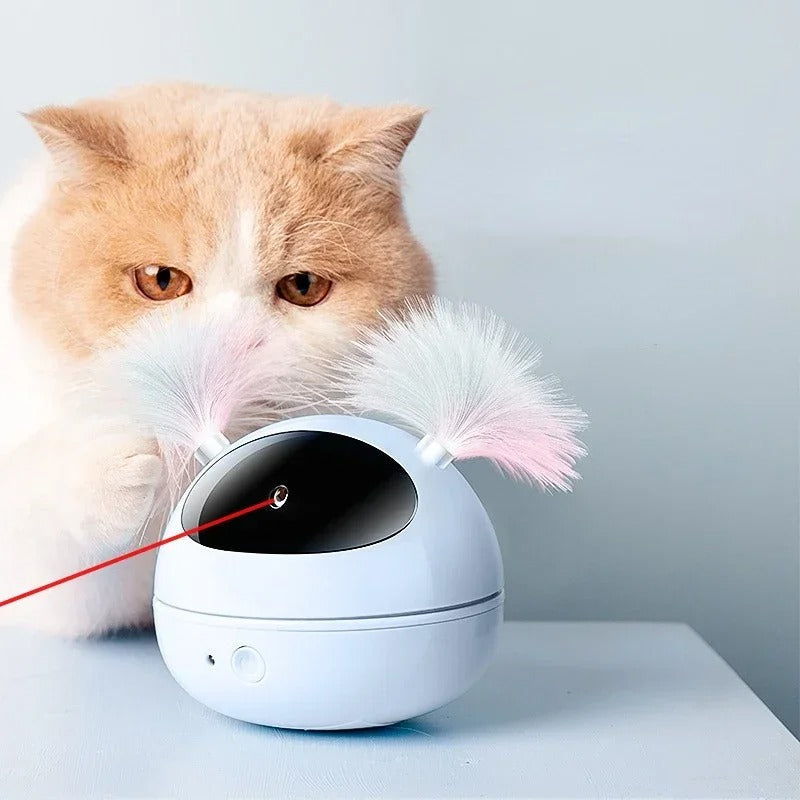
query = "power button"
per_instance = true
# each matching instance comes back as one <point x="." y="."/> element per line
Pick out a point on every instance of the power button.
<point x="248" y="665"/>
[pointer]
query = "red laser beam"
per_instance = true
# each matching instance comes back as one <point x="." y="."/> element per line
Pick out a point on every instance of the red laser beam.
<point x="130" y="554"/>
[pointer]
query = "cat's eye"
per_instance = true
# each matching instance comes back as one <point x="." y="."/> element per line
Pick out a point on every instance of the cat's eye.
<point x="161" y="283"/>
<point x="303" y="288"/>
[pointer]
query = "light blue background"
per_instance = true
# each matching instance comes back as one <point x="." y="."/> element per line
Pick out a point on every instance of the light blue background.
<point x="621" y="180"/>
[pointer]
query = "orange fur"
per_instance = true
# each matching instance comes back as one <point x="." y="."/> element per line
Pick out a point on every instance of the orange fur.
<point x="169" y="174"/>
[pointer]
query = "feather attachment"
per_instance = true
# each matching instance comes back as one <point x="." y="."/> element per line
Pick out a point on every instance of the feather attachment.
<point x="459" y="375"/>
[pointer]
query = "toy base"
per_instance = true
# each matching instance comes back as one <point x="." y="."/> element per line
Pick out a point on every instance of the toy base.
<point x="328" y="674"/>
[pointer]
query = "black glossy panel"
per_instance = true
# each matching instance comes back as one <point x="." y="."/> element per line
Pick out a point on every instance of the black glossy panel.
<point x="342" y="493"/>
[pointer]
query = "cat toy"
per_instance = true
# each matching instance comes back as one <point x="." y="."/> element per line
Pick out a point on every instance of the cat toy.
<point x="369" y="588"/>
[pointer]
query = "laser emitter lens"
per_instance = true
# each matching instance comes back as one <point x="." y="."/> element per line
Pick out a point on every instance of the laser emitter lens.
<point x="280" y="494"/>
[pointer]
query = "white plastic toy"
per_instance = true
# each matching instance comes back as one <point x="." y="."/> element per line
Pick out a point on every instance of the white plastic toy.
<point x="371" y="590"/>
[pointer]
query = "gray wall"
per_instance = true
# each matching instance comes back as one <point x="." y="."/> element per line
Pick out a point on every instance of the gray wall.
<point x="622" y="181"/>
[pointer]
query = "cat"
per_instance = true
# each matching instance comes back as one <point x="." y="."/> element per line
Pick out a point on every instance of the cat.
<point x="187" y="197"/>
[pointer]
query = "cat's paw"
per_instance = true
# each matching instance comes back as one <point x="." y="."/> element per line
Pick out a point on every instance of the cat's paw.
<point x="120" y="474"/>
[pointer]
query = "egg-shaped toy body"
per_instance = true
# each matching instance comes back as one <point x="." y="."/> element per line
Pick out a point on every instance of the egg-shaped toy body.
<point x="370" y="592"/>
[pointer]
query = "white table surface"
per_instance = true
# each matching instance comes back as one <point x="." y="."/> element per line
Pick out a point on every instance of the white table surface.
<point x="568" y="710"/>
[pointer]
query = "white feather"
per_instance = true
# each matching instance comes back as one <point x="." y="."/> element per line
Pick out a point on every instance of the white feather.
<point x="184" y="376"/>
<point x="459" y="374"/>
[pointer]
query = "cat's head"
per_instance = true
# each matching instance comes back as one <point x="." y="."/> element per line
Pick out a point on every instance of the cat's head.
<point x="184" y="196"/>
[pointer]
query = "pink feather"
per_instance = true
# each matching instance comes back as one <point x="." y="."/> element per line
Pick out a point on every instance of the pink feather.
<point x="460" y="375"/>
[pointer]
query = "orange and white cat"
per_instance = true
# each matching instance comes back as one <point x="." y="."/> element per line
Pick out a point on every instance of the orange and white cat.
<point x="188" y="197"/>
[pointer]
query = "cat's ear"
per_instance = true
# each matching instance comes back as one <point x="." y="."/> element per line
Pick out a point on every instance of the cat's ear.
<point x="370" y="143"/>
<point x="82" y="141"/>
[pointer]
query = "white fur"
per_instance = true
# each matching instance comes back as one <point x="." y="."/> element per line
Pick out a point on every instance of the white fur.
<point x="247" y="238"/>
<point x="235" y="260"/>
<point x="29" y="376"/>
